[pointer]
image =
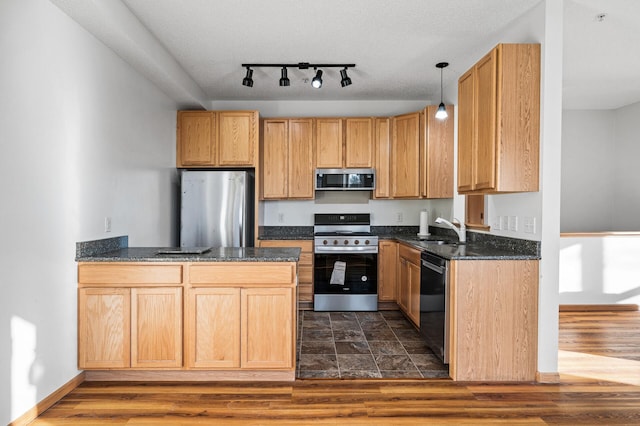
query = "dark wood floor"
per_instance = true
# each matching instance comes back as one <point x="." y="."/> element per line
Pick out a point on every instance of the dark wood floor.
<point x="599" y="366"/>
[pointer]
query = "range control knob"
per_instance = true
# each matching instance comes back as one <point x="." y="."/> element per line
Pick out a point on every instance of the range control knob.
<point x="346" y="242"/>
<point x="335" y="242"/>
<point x="366" y="242"/>
<point x="356" y="242"/>
<point x="325" y="242"/>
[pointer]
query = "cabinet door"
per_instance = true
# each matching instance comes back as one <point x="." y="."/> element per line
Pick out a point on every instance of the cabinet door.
<point x="387" y="270"/>
<point x="403" y="284"/>
<point x="237" y="138"/>
<point x="382" y="137"/>
<point x="329" y="143"/>
<point x="275" y="148"/>
<point x="437" y="169"/>
<point x="213" y="328"/>
<point x="466" y="132"/>
<point x="196" y="138"/>
<point x="104" y="328"/>
<point x="359" y="147"/>
<point x="300" y="166"/>
<point x="405" y="156"/>
<point x="485" y="112"/>
<point x="414" y="293"/>
<point x="267" y="328"/>
<point x="156" y="327"/>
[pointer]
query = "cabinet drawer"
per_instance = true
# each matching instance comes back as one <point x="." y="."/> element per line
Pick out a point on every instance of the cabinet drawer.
<point x="126" y="273"/>
<point x="305" y="245"/>
<point x="306" y="259"/>
<point x="412" y="255"/>
<point x="243" y="273"/>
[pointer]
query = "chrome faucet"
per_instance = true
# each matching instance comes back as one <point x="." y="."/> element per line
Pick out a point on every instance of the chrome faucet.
<point x="462" y="232"/>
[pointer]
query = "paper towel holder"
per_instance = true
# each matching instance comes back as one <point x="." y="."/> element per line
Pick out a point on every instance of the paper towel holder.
<point x="423" y="233"/>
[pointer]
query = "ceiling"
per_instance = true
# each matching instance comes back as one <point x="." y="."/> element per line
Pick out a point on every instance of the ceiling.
<point x="198" y="46"/>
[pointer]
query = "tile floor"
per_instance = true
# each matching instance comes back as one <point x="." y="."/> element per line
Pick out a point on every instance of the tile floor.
<point x="363" y="345"/>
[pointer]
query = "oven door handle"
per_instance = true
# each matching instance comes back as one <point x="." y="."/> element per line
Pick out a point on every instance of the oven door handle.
<point x="350" y="249"/>
<point x="433" y="267"/>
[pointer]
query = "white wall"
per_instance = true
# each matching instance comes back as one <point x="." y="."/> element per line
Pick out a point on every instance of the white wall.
<point x="600" y="269"/>
<point x="600" y="182"/>
<point x="626" y="185"/>
<point x="588" y="149"/>
<point x="83" y="137"/>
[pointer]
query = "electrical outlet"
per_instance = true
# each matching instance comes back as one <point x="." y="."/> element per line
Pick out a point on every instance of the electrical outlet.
<point x="504" y="223"/>
<point x="399" y="217"/>
<point x="496" y="223"/>
<point x="513" y="223"/>
<point x="530" y="225"/>
<point x="107" y="224"/>
<point x="280" y="217"/>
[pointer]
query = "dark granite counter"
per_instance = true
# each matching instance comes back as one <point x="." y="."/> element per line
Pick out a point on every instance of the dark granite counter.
<point x="216" y="254"/>
<point x="479" y="246"/>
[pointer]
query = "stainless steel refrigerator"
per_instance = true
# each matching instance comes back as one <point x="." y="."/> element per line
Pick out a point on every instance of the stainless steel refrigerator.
<point x="217" y="208"/>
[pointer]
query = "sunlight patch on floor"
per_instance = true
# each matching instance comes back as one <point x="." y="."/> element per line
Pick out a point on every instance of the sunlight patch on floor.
<point x="599" y="367"/>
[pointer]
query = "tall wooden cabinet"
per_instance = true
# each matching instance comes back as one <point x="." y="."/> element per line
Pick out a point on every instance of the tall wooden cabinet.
<point x="499" y="121"/>
<point x="287" y="159"/>
<point x="382" y="146"/>
<point x="217" y="139"/>
<point x="405" y="156"/>
<point x="436" y="171"/>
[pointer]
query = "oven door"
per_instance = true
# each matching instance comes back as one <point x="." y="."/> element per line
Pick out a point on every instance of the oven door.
<point x="345" y="273"/>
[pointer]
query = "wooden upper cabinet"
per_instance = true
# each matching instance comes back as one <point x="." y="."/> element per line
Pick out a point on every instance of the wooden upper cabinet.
<point x="217" y="138"/>
<point x="499" y="121"/>
<point x="436" y="173"/>
<point x="197" y="138"/>
<point x="382" y="146"/>
<point x="405" y="156"/>
<point x="359" y="147"/>
<point x="287" y="159"/>
<point x="237" y="138"/>
<point x="275" y="158"/>
<point x="329" y="143"/>
<point x="300" y="167"/>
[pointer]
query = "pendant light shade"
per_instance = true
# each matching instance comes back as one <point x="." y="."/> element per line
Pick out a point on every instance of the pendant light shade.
<point x="441" y="113"/>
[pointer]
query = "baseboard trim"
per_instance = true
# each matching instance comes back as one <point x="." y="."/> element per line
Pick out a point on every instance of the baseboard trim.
<point x="188" y="375"/>
<point x="49" y="401"/>
<point x="599" y="308"/>
<point x="547" y="377"/>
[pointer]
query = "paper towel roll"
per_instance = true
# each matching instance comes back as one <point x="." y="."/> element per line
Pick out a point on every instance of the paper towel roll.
<point x="424" y="222"/>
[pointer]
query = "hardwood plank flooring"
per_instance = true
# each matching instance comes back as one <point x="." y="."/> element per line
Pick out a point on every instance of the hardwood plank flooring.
<point x="592" y="391"/>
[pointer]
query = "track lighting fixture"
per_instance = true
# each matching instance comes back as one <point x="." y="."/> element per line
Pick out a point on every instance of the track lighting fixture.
<point x="316" y="82"/>
<point x="284" y="80"/>
<point x="345" y="80"/>
<point x="248" y="80"/>
<point x="441" y="113"/>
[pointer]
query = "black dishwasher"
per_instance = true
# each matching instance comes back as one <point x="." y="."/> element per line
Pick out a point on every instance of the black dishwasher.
<point x="433" y="294"/>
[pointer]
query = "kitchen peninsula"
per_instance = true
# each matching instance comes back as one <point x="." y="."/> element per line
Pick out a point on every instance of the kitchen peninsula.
<point x="224" y="314"/>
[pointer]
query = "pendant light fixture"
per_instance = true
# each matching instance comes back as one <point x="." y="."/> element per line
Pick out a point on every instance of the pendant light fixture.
<point x="284" y="81"/>
<point x="441" y="113"/>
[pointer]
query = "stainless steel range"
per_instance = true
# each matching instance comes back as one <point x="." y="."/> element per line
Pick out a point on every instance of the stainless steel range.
<point x="345" y="263"/>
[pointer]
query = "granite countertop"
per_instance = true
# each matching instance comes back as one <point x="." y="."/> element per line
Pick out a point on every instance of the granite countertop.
<point x="468" y="251"/>
<point x="216" y="254"/>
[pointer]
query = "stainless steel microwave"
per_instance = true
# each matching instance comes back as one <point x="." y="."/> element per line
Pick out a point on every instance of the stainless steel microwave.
<point x="345" y="179"/>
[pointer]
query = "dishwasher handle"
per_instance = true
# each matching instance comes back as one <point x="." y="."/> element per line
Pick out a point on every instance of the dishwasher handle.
<point x="436" y="268"/>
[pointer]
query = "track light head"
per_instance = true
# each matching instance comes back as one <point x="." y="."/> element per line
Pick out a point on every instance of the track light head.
<point x="345" y="80"/>
<point x="316" y="83"/>
<point x="441" y="113"/>
<point x="248" y="79"/>
<point x="284" y="80"/>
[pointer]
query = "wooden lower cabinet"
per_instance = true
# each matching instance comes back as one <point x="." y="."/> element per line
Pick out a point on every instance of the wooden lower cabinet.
<point x="130" y="327"/>
<point x="409" y="282"/>
<point x="493" y="306"/>
<point x="305" y="265"/>
<point x="238" y="317"/>
<point x="387" y="270"/>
